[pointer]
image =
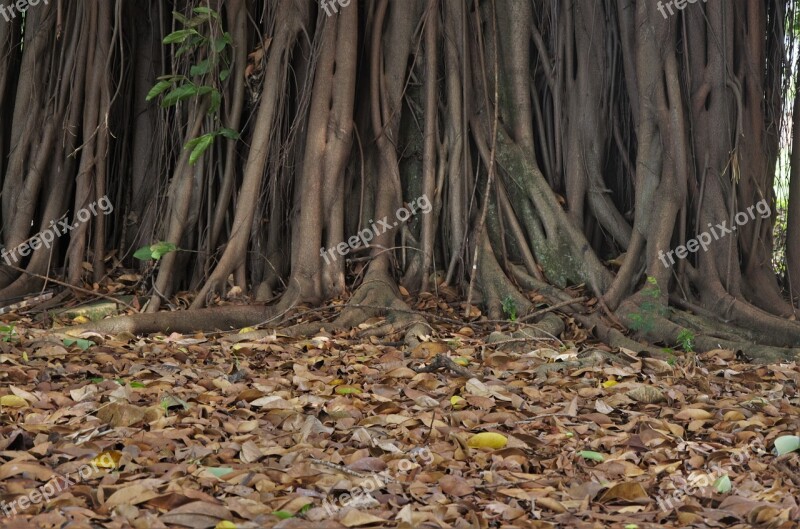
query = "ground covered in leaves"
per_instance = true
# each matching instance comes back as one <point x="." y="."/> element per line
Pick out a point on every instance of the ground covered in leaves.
<point x="335" y="431"/>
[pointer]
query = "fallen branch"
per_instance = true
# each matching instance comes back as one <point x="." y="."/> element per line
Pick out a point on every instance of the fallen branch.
<point x="441" y="361"/>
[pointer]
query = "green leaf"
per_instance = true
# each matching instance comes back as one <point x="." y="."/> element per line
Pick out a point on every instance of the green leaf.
<point x="161" y="248"/>
<point x="219" y="472"/>
<point x="224" y="74"/>
<point x="219" y="44"/>
<point x="80" y="342"/>
<point x="179" y="36"/>
<point x="194" y="141"/>
<point x="206" y="11"/>
<point x="594" y="456"/>
<point x="283" y="515"/>
<point x="201" y="68"/>
<point x="183" y="49"/>
<point x="137" y="385"/>
<point x="180" y="18"/>
<point x="154" y="251"/>
<point x="787" y="443"/>
<point x="143" y="253"/>
<point x="197" y="40"/>
<point x="201" y="147"/>
<point x="182" y="92"/>
<point x="198" y="21"/>
<point x="96" y="380"/>
<point x="723" y="484"/>
<point x="157" y="89"/>
<point x="228" y="133"/>
<point x="216" y="101"/>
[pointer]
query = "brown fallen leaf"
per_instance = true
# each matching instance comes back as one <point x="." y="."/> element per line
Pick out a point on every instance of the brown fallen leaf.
<point x="628" y="491"/>
<point x="693" y="414"/>
<point x="551" y="504"/>
<point x="197" y="515"/>
<point x="14" y="468"/>
<point x="131" y="495"/>
<point x="356" y="518"/>
<point x="121" y="414"/>
<point x="453" y="485"/>
<point x="647" y="394"/>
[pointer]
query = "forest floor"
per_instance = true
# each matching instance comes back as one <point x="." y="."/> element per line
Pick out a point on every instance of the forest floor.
<point x="335" y="431"/>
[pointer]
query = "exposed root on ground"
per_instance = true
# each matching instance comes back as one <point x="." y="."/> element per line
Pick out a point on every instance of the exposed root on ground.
<point x="379" y="290"/>
<point x="225" y="318"/>
<point x="707" y="336"/>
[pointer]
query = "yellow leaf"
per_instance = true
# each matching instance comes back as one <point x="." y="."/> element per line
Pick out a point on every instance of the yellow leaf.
<point x="462" y="361"/>
<point x="246" y="329"/>
<point x="108" y="459"/>
<point x="25" y="356"/>
<point x="457" y="402"/>
<point x="347" y="390"/>
<point x="225" y="524"/>
<point x="13" y="401"/>
<point x="487" y="440"/>
<point x="336" y="382"/>
<point x="80" y="319"/>
<point x="610" y="383"/>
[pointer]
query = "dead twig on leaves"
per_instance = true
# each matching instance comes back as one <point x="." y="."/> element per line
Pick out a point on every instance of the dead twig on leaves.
<point x="345" y="470"/>
<point x="551" y="308"/>
<point x="441" y="361"/>
<point x="72" y="287"/>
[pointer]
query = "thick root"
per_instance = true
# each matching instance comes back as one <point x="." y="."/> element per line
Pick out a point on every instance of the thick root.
<point x="658" y="328"/>
<point x="188" y="321"/>
<point x="184" y="321"/>
<point x="378" y="296"/>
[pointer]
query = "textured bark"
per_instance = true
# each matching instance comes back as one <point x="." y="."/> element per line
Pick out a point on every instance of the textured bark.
<point x="560" y="143"/>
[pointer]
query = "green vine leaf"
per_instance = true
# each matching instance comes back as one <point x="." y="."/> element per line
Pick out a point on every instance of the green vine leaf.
<point x="179" y="94"/>
<point x="154" y="251"/>
<point x="179" y="36"/>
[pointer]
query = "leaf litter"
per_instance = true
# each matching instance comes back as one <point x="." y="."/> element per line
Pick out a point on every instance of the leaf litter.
<point x="334" y="431"/>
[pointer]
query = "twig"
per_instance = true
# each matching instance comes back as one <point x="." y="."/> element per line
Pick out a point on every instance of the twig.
<point x="441" y="361"/>
<point x="552" y="308"/>
<point x="484" y="426"/>
<point x="345" y="470"/>
<point x="539" y="417"/>
<point x="73" y="287"/>
<point x="27" y="303"/>
<point x="505" y="484"/>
